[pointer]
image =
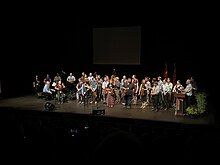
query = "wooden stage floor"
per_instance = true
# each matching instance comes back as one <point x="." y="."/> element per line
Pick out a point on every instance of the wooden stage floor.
<point x="31" y="102"/>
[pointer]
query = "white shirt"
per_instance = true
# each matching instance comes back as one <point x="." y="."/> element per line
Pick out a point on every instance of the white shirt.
<point x="105" y="84"/>
<point x="167" y="88"/>
<point x="71" y="79"/>
<point x="188" y="90"/>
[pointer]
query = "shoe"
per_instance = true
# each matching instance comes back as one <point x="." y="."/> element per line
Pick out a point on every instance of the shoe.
<point x="141" y="106"/>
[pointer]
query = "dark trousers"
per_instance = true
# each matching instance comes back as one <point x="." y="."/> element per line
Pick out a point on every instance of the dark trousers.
<point x="128" y="99"/>
<point x="160" y="99"/>
<point x="85" y="99"/>
<point x="144" y="98"/>
<point x="167" y="101"/>
<point x="155" y="100"/>
<point x="189" y="100"/>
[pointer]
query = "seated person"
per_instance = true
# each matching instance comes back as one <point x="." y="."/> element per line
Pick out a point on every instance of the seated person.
<point x="47" y="91"/>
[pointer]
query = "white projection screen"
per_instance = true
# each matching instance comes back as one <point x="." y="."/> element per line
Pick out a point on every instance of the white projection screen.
<point x="117" y="45"/>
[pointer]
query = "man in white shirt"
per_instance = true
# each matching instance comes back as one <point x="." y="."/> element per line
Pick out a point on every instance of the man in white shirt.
<point x="167" y="93"/>
<point x="189" y="93"/>
<point x="71" y="82"/>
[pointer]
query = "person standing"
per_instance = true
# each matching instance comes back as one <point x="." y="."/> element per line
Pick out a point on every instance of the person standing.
<point x="143" y="93"/>
<point x="189" y="93"/>
<point x="167" y="93"/>
<point x="110" y="97"/>
<point x="71" y="82"/>
<point x="36" y="85"/>
<point x="128" y="94"/>
<point x="154" y="94"/>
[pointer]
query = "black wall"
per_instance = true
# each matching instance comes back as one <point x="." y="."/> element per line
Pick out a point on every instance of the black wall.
<point x="44" y="48"/>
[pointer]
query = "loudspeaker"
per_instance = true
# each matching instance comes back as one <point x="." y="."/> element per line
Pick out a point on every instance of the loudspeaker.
<point x="98" y="110"/>
<point x="49" y="106"/>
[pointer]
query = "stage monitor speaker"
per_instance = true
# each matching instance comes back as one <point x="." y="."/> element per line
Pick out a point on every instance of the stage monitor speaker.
<point x="97" y="110"/>
<point x="49" y="106"/>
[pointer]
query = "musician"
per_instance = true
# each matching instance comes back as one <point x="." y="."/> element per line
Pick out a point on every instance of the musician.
<point x="90" y="77"/>
<point x="85" y="91"/>
<point x="148" y="85"/>
<point x="70" y="81"/>
<point x="94" y="85"/>
<point x="154" y="93"/>
<point x="160" y="94"/>
<point x="128" y="94"/>
<point x="46" y="88"/>
<point x="189" y="92"/>
<point x="136" y="89"/>
<point x="47" y="91"/>
<point x="153" y="80"/>
<point x="110" y="98"/>
<point x="83" y="76"/>
<point x="167" y="90"/>
<point x="57" y="78"/>
<point x="104" y="87"/>
<point x="122" y="89"/>
<point x="178" y="88"/>
<point x="79" y="91"/>
<point x="99" y="81"/>
<point x="36" y="85"/>
<point x="163" y="92"/>
<point x="143" y="93"/>
<point x="47" y="78"/>
<point x="123" y="80"/>
<point x="60" y="91"/>
<point x="117" y="89"/>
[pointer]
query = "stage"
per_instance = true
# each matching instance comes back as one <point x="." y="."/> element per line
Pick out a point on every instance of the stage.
<point x="130" y="133"/>
<point x="33" y="103"/>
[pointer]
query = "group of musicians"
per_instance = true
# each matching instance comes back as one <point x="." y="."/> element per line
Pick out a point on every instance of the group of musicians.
<point x="111" y="90"/>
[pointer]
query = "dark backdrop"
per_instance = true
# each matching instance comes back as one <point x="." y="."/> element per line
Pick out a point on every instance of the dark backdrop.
<point x="38" y="47"/>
